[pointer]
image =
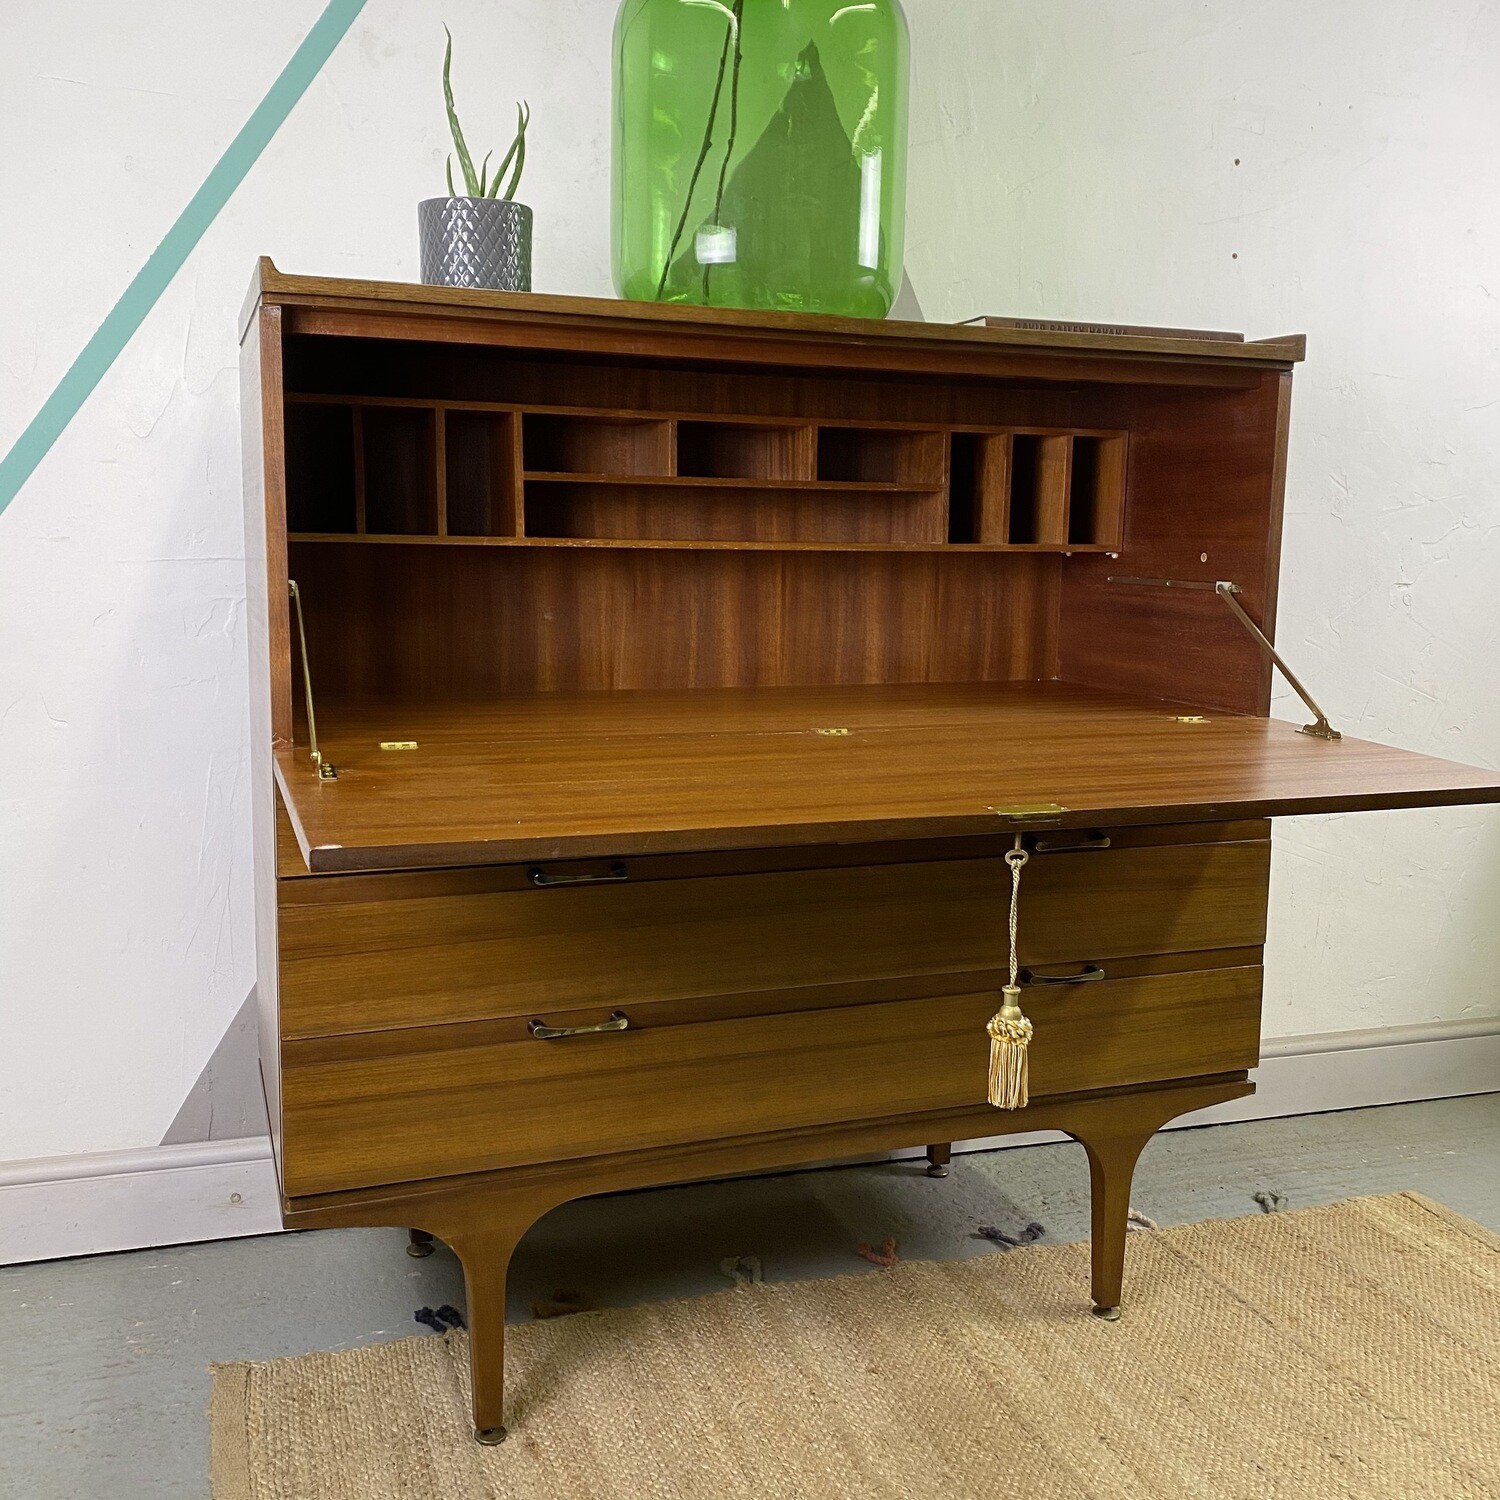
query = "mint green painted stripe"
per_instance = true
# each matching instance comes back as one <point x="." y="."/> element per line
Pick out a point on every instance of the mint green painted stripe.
<point x="167" y="259"/>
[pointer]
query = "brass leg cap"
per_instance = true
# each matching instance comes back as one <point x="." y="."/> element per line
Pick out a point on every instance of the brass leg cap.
<point x="419" y="1249"/>
<point x="937" y="1169"/>
<point x="1109" y="1314"/>
<point x="491" y="1437"/>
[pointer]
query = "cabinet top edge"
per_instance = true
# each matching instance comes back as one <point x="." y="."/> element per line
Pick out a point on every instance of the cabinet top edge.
<point x="270" y="286"/>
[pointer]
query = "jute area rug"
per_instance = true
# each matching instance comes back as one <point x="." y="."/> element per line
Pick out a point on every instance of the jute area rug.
<point x="1327" y="1352"/>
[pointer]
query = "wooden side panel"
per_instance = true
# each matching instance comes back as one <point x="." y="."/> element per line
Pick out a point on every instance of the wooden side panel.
<point x="1204" y="502"/>
<point x="992" y="488"/>
<point x="1275" y="511"/>
<point x="263" y="441"/>
<point x="1054" y="479"/>
<point x="357" y="959"/>
<point x="1109" y="480"/>
<point x="474" y="1106"/>
<point x="261" y="447"/>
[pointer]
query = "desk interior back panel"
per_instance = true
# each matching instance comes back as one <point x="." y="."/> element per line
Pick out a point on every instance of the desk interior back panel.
<point x="457" y="622"/>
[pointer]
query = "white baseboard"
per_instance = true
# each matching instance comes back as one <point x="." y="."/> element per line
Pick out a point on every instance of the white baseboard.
<point x="1330" y="1070"/>
<point x="1311" y="1075"/>
<point x="212" y="1190"/>
<point x="129" y="1200"/>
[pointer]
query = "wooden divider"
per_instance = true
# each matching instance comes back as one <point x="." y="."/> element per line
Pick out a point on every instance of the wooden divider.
<point x="391" y="468"/>
<point x="1039" y="490"/>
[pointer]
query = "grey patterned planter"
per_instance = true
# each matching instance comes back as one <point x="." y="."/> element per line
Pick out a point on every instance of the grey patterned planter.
<point x="475" y="242"/>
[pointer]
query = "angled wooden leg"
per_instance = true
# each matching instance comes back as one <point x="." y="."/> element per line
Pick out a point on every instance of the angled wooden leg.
<point x="484" y="1241"/>
<point x="419" y="1244"/>
<point x="486" y="1262"/>
<point x="1114" y="1145"/>
<point x="938" y="1157"/>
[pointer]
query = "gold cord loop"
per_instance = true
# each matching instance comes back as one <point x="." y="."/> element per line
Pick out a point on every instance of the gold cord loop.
<point x="1009" y="1031"/>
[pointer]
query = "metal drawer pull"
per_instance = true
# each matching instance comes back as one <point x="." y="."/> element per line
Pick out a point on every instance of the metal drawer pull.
<point x="617" y="873"/>
<point x="1088" y="974"/>
<point x="1057" y="846"/>
<point x="544" y="1033"/>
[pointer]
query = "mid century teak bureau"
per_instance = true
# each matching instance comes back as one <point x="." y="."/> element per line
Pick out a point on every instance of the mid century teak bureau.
<point x="677" y="681"/>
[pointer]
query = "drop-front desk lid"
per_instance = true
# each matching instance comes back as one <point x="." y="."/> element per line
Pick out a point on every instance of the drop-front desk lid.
<point x="585" y="775"/>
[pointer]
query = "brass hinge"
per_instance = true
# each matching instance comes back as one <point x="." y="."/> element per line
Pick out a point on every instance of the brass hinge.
<point x="326" y="772"/>
<point x="1029" y="812"/>
<point x="1227" y="591"/>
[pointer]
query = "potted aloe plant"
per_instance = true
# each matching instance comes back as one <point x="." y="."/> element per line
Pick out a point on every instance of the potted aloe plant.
<point x="481" y="237"/>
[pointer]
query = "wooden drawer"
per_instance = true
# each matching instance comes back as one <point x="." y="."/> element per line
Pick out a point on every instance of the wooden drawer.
<point x="367" y="952"/>
<point x="375" y="1108"/>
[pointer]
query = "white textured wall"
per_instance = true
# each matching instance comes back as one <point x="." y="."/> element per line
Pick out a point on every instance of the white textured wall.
<point x="1068" y="160"/>
<point x="1283" y="167"/>
<point x="125" y="930"/>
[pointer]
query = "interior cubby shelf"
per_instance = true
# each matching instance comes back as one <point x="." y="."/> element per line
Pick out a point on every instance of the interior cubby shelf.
<point x="392" y="470"/>
<point x="670" y="544"/>
<point x="728" y="482"/>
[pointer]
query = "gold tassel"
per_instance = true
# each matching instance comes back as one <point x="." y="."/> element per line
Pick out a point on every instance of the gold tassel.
<point x="1010" y="1040"/>
<point x="1010" y="1031"/>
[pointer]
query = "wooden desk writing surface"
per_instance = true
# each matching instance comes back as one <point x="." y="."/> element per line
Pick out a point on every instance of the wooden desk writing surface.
<point x="551" y="776"/>
<point x="718" y="636"/>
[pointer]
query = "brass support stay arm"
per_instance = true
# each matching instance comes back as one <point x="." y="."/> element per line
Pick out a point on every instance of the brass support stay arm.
<point x="326" y="772"/>
<point x="1320" y="727"/>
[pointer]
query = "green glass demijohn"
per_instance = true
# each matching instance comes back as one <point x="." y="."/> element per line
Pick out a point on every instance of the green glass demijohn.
<point x="760" y="153"/>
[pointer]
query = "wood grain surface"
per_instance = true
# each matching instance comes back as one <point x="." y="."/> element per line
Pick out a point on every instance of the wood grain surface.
<point x="702" y="609"/>
<point x="456" y="622"/>
<point x="599" y="315"/>
<point x="266" y="621"/>
<point x="556" y="775"/>
<point x="477" y="1105"/>
<point x="482" y="1216"/>
<point x="413" y="950"/>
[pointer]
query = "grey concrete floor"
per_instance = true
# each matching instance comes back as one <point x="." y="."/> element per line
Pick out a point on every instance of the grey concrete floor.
<point x="104" y="1361"/>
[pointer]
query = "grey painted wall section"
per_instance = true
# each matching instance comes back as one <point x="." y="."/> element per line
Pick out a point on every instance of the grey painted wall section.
<point x="227" y="1102"/>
